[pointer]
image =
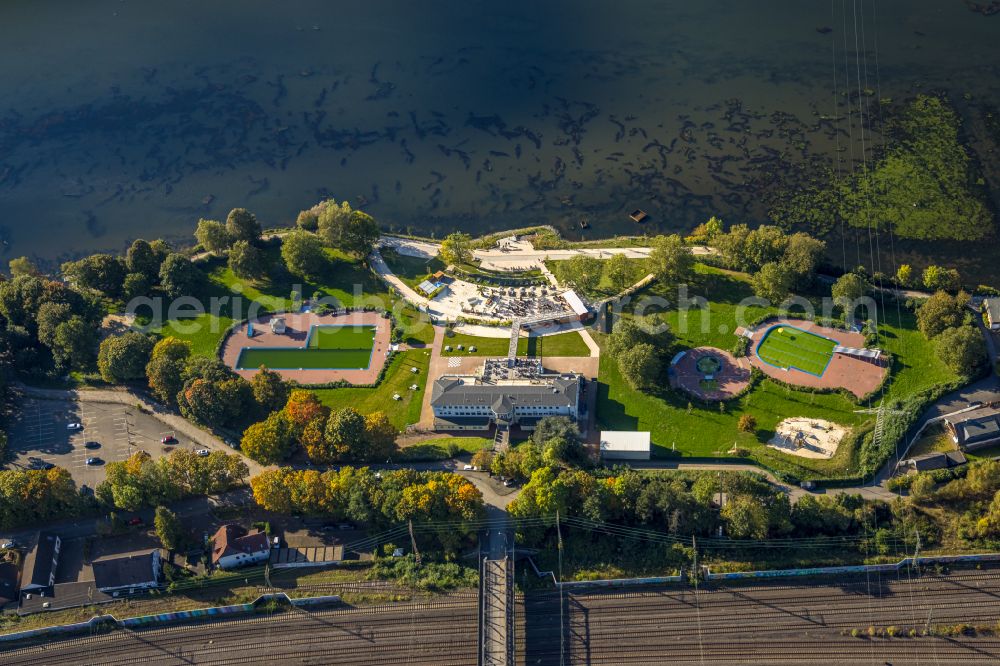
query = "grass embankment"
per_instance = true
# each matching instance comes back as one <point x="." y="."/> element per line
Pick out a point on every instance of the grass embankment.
<point x="560" y="344"/>
<point x="706" y="431"/>
<point x="411" y="270"/>
<point x="399" y="377"/>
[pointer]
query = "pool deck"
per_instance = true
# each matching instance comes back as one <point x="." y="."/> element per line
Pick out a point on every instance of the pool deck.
<point x="856" y="375"/>
<point x="296" y="334"/>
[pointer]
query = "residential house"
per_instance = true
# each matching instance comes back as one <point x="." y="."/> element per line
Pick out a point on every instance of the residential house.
<point x="128" y="574"/>
<point x="991" y="311"/>
<point x="975" y="429"/>
<point x="234" y="547"/>
<point x="39" y="570"/>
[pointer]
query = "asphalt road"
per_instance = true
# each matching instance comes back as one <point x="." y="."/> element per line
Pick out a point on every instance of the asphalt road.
<point x="781" y="623"/>
<point x="39" y="435"/>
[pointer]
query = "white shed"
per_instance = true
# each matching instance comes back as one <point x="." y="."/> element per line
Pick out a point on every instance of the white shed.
<point x="625" y="445"/>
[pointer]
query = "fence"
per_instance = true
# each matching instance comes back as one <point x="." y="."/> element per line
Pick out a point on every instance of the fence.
<point x="853" y="569"/>
<point x="166" y="618"/>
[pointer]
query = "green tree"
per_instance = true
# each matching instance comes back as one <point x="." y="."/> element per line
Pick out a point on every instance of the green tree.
<point x="802" y="257"/>
<point x="938" y="278"/>
<point x="940" y="312"/>
<point x="772" y="282"/>
<point x="582" y="271"/>
<point x="345" y="434"/>
<point x="241" y="224"/>
<point x="331" y="221"/>
<point x="141" y="258"/>
<point x="213" y="236"/>
<point x="74" y="343"/>
<point x="619" y="272"/>
<point x="308" y="220"/>
<point x="179" y="277"/>
<point x="166" y="366"/>
<point x="455" y="248"/>
<point x="962" y="349"/>
<point x="247" y="261"/>
<point x="134" y="285"/>
<point x="23" y="266"/>
<point x="848" y="290"/>
<point x="670" y="260"/>
<point x="104" y="273"/>
<point x="380" y="437"/>
<point x="904" y="275"/>
<point x="124" y="357"/>
<point x="268" y="441"/>
<point x="303" y="254"/>
<point x="169" y="529"/>
<point x="270" y="391"/>
<point x="640" y="366"/>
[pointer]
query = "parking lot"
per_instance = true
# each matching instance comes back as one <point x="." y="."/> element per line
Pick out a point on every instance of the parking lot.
<point x="40" y="436"/>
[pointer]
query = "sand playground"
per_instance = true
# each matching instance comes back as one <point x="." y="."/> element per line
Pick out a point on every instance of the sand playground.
<point x="808" y="438"/>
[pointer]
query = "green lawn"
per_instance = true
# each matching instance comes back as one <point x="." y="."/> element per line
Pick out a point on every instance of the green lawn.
<point x="443" y="448"/>
<point x="329" y="347"/>
<point x="935" y="439"/>
<point x="788" y="347"/>
<point x="604" y="288"/>
<point x="411" y="270"/>
<point x="561" y="344"/>
<point x="709" y="432"/>
<point x="398" y="379"/>
<point x="345" y="279"/>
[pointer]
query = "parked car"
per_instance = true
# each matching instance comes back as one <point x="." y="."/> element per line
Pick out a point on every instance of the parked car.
<point x="202" y="452"/>
<point x="74" y="426"/>
<point x="468" y="468"/>
<point x="93" y="445"/>
<point x="169" y="439"/>
<point x="9" y="543"/>
<point x="93" y="461"/>
<point x="345" y="526"/>
<point x="134" y="522"/>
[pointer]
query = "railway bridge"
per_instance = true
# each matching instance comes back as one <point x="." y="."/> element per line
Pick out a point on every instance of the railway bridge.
<point x="496" y="600"/>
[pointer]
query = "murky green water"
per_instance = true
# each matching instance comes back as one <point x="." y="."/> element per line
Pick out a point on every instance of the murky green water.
<point x="121" y="119"/>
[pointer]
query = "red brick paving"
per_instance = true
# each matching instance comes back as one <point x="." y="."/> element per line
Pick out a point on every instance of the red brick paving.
<point x="297" y="329"/>
<point x="858" y="376"/>
<point x="732" y="377"/>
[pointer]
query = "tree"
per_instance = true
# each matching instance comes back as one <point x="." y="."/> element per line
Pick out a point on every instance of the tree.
<point x="848" y="290"/>
<point x="962" y="349"/>
<point x="455" y="248"/>
<point x="303" y="254"/>
<point x="23" y="266"/>
<point x="482" y="459"/>
<point x="772" y="282"/>
<point x="213" y="236"/>
<point x="134" y="285"/>
<point x="268" y="441"/>
<point x="640" y="366"/>
<point x="179" y="277"/>
<point x="241" y="224"/>
<point x="73" y="344"/>
<point x="169" y="529"/>
<point x="582" y="271"/>
<point x="670" y="260"/>
<point x="247" y="261"/>
<point x="938" y="278"/>
<point x="345" y="434"/>
<point x="100" y="272"/>
<point x="124" y="357"/>
<point x="802" y="256"/>
<point x="141" y="258"/>
<point x="380" y="437"/>
<point x="904" y="275"/>
<point x="308" y="220"/>
<point x="270" y="391"/>
<point x="555" y="427"/>
<point x="165" y="368"/>
<point x="747" y="423"/>
<point x="940" y="312"/>
<point x="629" y="332"/>
<point x="619" y="272"/>
<point x="360" y="234"/>
<point x="332" y="220"/>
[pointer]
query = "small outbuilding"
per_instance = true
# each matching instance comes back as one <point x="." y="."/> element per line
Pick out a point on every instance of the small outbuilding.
<point x="932" y="461"/>
<point x="991" y="310"/>
<point x="278" y="325"/>
<point x="625" y="445"/>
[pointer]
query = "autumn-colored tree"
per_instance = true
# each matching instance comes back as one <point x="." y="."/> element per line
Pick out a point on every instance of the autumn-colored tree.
<point x="302" y="408"/>
<point x="380" y="436"/>
<point x="269" y="441"/>
<point x="166" y="364"/>
<point x="747" y="423"/>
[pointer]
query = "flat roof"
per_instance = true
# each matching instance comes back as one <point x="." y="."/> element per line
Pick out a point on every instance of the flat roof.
<point x="575" y="302"/>
<point x="625" y="440"/>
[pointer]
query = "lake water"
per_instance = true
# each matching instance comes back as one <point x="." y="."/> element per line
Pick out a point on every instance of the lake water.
<point x="124" y="119"/>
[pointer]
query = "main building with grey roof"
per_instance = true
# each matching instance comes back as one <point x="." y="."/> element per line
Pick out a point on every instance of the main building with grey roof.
<point x="469" y="403"/>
